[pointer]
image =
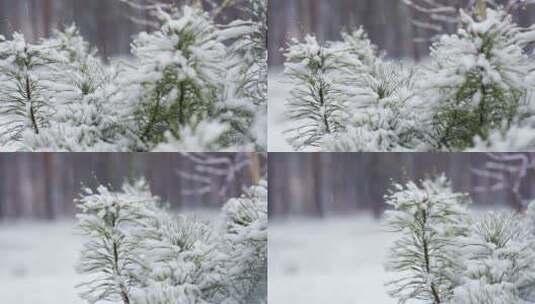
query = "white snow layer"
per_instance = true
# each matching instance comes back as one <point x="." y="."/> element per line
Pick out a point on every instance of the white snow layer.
<point x="337" y="260"/>
<point x="37" y="263"/>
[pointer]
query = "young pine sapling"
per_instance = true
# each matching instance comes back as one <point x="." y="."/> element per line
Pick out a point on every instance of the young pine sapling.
<point x="429" y="218"/>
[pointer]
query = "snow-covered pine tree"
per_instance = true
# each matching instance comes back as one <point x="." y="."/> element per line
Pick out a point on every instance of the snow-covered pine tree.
<point x="85" y="117"/>
<point x="500" y="261"/>
<point x="245" y="234"/>
<point x="429" y="217"/>
<point x="176" y="77"/>
<point x="368" y="100"/>
<point x="107" y="220"/>
<point x="24" y="107"/>
<point x="477" y="78"/>
<point x="188" y="261"/>
<point x="245" y="109"/>
<point x="136" y="252"/>
<point x="315" y="105"/>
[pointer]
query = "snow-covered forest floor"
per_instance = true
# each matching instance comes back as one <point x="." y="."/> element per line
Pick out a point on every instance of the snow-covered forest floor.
<point x="278" y="91"/>
<point x="37" y="263"/>
<point x="336" y="260"/>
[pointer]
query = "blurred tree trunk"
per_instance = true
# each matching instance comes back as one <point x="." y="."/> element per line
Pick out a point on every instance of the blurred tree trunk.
<point x="319" y="187"/>
<point x="47" y="17"/>
<point x="255" y="168"/>
<point x="11" y="183"/>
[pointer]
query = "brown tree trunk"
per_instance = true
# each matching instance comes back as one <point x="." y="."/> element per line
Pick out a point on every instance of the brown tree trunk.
<point x="49" y="174"/>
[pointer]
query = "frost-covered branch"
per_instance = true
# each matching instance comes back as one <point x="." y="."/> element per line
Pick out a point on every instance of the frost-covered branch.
<point x="474" y="93"/>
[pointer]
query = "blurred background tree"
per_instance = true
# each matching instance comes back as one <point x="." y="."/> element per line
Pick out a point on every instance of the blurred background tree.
<point x="321" y="184"/>
<point x="44" y="185"/>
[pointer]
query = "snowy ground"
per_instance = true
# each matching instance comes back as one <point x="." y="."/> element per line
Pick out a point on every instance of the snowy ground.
<point x="278" y="91"/>
<point x="37" y="263"/>
<point x="338" y="260"/>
